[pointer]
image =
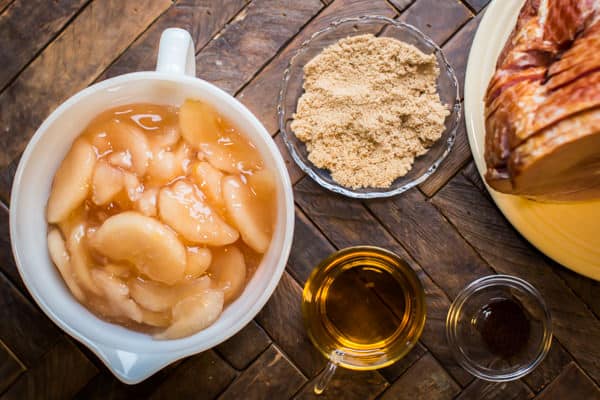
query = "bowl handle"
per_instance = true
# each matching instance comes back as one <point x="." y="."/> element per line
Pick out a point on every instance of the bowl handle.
<point x="128" y="367"/>
<point x="176" y="54"/>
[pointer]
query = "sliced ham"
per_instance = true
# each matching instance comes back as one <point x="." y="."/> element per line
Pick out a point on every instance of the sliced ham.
<point x="543" y="104"/>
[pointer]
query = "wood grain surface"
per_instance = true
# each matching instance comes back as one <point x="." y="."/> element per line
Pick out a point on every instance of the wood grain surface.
<point x="448" y="229"/>
<point x="84" y="49"/>
<point x="424" y="379"/>
<point x="25" y="28"/>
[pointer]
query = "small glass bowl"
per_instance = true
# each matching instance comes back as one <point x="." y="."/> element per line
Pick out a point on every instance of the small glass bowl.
<point x="291" y="90"/>
<point x="467" y="344"/>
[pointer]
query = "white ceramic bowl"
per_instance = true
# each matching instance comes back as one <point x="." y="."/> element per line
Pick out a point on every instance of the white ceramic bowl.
<point x="130" y="355"/>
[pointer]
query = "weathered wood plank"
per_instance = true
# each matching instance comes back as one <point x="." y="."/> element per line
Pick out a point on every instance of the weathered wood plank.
<point x="271" y="376"/>
<point x="206" y="374"/>
<point x="26" y="27"/>
<point x="396" y="370"/>
<point x="515" y="390"/>
<point x="201" y="18"/>
<point x="253" y="38"/>
<point x="571" y="384"/>
<point x="587" y="289"/>
<point x="471" y="173"/>
<point x="346" y="223"/>
<point x="10" y="367"/>
<point x="477" y="5"/>
<point x="425" y="379"/>
<point x="438" y="19"/>
<point x="347" y="385"/>
<point x="457" y="159"/>
<point x="261" y="94"/>
<point x="105" y="386"/>
<point x="431" y="240"/>
<point x="4" y="4"/>
<point x="6" y="177"/>
<point x="458" y="47"/>
<point x="309" y="248"/>
<point x="457" y="51"/>
<point x="7" y="262"/>
<point x="282" y="319"/>
<point x="25" y="330"/>
<point x="244" y="346"/>
<point x="480" y="222"/>
<point x="293" y="169"/>
<point x="80" y="53"/>
<point x="58" y="375"/>
<point x="549" y="369"/>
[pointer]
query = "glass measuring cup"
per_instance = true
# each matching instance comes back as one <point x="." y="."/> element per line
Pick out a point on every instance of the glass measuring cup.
<point x="363" y="308"/>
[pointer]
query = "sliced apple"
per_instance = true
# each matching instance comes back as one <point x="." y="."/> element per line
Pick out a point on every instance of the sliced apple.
<point x="228" y="270"/>
<point x="262" y="183"/>
<point x="133" y="186"/>
<point x="165" y="139"/>
<point x="157" y="319"/>
<point x="209" y="181"/>
<point x="123" y="137"/>
<point x="199" y="122"/>
<point x="182" y="207"/>
<point x="127" y="137"/>
<point x="163" y="167"/>
<point x="232" y="154"/>
<point x="203" y="128"/>
<point x="81" y="261"/>
<point x="120" y="159"/>
<point x="107" y="182"/>
<point x="116" y="293"/>
<point x="198" y="261"/>
<point x="247" y="214"/>
<point x="118" y="270"/>
<point x="183" y="155"/>
<point x="151" y="246"/>
<point x="193" y="314"/>
<point x="146" y="203"/>
<point x="159" y="297"/>
<point x="60" y="258"/>
<point x="72" y="181"/>
<point x="151" y="295"/>
<point x="68" y="224"/>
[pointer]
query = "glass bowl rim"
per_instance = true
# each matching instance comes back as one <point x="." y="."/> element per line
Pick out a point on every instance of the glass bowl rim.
<point x="455" y="112"/>
<point x="465" y="294"/>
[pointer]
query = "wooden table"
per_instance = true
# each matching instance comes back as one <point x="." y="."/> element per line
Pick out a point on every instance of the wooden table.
<point x="448" y="228"/>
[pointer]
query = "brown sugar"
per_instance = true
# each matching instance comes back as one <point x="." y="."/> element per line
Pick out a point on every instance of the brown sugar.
<point x="369" y="107"/>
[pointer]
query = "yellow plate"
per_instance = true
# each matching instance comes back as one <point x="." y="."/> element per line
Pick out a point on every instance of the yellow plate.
<point x="568" y="233"/>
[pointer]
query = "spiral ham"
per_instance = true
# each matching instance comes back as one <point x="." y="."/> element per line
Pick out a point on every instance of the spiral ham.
<point x="542" y="106"/>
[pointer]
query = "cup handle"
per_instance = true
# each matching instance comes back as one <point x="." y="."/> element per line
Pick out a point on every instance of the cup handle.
<point x="128" y="367"/>
<point x="324" y="378"/>
<point x="176" y="53"/>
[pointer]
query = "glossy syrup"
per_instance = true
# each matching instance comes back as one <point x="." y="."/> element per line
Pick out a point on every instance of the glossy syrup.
<point x="364" y="308"/>
<point x="504" y="327"/>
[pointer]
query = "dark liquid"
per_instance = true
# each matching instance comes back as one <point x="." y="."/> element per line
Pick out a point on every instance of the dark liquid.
<point x="504" y="327"/>
<point x="365" y="305"/>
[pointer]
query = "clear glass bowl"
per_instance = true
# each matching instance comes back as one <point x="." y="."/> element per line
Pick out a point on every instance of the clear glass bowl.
<point x="469" y="309"/>
<point x="291" y="90"/>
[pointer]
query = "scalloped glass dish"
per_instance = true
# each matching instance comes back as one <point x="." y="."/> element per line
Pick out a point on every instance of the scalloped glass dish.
<point x="291" y="90"/>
